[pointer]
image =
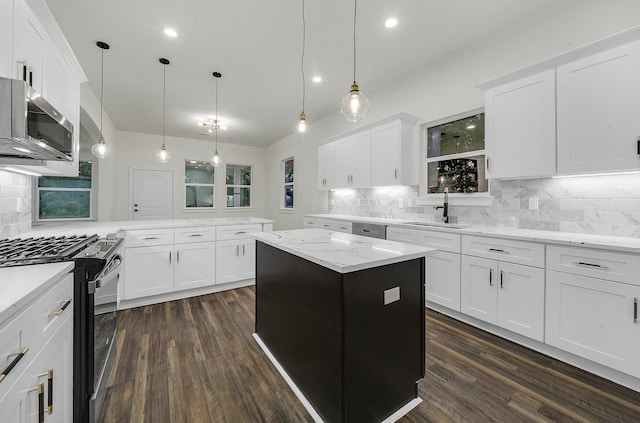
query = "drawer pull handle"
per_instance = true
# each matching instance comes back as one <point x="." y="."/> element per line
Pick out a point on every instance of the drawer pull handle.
<point x="635" y="310"/>
<point x="195" y="235"/>
<point x="241" y="232"/>
<point x="498" y="250"/>
<point x="13" y="364"/>
<point x="65" y="304"/>
<point x="150" y="238"/>
<point x="490" y="277"/>
<point x="49" y="376"/>
<point x="40" y="390"/>
<point x="582" y="263"/>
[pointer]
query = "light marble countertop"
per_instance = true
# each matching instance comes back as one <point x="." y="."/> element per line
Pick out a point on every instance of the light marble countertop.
<point x="343" y="253"/>
<point x="613" y="243"/>
<point x="22" y="284"/>
<point x="104" y="228"/>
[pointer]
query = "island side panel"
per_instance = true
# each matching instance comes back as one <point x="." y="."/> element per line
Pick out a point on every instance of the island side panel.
<point x="298" y="317"/>
<point x="384" y="345"/>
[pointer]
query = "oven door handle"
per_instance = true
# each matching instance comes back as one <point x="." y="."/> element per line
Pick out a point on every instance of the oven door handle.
<point x="108" y="274"/>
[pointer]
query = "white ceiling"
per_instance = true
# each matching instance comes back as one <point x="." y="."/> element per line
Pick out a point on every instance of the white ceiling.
<point x="256" y="45"/>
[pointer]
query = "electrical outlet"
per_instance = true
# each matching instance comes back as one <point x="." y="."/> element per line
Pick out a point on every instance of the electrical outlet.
<point x="533" y="203"/>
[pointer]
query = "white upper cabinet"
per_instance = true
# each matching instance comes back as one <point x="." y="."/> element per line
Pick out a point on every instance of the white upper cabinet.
<point x="353" y="161"/>
<point x="6" y="39"/>
<point x="598" y="109"/>
<point x="29" y="44"/>
<point x="520" y="127"/>
<point x="392" y="154"/>
<point x="327" y="165"/>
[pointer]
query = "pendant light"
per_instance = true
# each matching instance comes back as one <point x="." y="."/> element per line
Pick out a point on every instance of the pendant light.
<point x="101" y="149"/>
<point x="163" y="154"/>
<point x="355" y="104"/>
<point x="302" y="121"/>
<point x="215" y="159"/>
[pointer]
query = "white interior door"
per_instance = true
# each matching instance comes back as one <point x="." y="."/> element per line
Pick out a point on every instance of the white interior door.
<point x="152" y="194"/>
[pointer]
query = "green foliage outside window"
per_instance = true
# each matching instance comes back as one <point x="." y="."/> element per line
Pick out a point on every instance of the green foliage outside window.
<point x="64" y="197"/>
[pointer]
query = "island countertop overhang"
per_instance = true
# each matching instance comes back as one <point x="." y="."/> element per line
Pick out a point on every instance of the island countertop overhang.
<point x="341" y="252"/>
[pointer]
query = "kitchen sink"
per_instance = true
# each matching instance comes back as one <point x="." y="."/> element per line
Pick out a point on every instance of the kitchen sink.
<point x="436" y="225"/>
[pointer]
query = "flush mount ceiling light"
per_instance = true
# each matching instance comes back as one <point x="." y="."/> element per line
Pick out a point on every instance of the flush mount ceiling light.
<point x="101" y="149"/>
<point x="302" y="120"/>
<point x="391" y="23"/>
<point x="170" y="33"/>
<point x="163" y="155"/>
<point x="355" y="104"/>
<point x="215" y="159"/>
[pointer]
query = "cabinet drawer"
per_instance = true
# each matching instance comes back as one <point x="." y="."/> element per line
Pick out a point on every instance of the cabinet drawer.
<point x="147" y="237"/>
<point x="619" y="267"/>
<point x="441" y="240"/>
<point x="31" y="328"/>
<point x="236" y="231"/>
<point x="519" y="252"/>
<point x="311" y="223"/>
<point x="410" y="236"/>
<point x="345" y="227"/>
<point x="199" y="234"/>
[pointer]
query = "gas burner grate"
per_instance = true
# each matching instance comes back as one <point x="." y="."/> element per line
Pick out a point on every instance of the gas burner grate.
<point x="41" y="250"/>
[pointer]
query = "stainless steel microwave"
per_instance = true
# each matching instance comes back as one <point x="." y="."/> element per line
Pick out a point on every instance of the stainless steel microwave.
<point x="31" y="128"/>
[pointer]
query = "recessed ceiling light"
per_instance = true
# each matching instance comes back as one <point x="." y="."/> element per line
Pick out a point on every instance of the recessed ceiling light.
<point x="170" y="33"/>
<point x="317" y="79"/>
<point x="391" y="22"/>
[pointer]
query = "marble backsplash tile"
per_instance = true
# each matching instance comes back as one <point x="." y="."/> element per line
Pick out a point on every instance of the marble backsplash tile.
<point x="15" y="204"/>
<point x="604" y="205"/>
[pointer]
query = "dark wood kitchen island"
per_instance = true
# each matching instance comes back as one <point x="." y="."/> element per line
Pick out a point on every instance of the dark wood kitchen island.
<point x="342" y="317"/>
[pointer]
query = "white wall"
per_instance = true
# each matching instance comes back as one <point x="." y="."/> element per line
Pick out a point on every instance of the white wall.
<point x="136" y="150"/>
<point x="15" y="204"/>
<point x="446" y="86"/>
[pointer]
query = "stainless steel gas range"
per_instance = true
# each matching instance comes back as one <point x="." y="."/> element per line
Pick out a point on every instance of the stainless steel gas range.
<point x="97" y="266"/>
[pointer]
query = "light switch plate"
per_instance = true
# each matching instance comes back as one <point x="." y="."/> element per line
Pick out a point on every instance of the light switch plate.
<point x="391" y="295"/>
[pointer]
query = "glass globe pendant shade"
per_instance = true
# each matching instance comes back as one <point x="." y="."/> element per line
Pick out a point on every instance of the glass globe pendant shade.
<point x="100" y="149"/>
<point x="163" y="154"/>
<point x="354" y="105"/>
<point x="215" y="159"/>
<point x="302" y="123"/>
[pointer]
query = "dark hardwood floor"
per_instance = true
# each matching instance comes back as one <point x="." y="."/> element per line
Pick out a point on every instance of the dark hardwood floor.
<point x="194" y="360"/>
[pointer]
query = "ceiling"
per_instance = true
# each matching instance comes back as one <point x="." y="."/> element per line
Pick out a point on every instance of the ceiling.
<point x="257" y="47"/>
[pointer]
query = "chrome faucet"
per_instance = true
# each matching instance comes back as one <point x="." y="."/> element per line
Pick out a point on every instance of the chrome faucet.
<point x="445" y="206"/>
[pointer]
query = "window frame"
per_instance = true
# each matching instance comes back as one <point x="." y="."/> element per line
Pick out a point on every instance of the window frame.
<point x="249" y="187"/>
<point x="467" y="154"/>
<point x="36" y="197"/>
<point x="285" y="184"/>
<point x="213" y="185"/>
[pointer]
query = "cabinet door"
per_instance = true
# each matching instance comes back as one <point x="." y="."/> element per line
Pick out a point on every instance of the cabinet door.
<point x="520" y="127"/>
<point x="478" y="283"/>
<point x="326" y="166"/>
<point x="521" y="299"/>
<point x="595" y="319"/>
<point x="194" y="265"/>
<point x="21" y="404"/>
<point x="6" y="39"/>
<point x="149" y="271"/>
<point x="227" y="256"/>
<point x="247" y="262"/>
<point x="386" y="154"/>
<point x="29" y="43"/>
<point x="54" y="73"/>
<point x="353" y="161"/>
<point x="443" y="279"/>
<point x="598" y="107"/>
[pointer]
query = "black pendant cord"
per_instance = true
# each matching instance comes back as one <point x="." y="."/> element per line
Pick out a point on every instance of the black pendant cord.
<point x="217" y="75"/>
<point x="355" y="13"/>
<point x="101" y="91"/>
<point x="165" y="62"/>
<point x="304" y="39"/>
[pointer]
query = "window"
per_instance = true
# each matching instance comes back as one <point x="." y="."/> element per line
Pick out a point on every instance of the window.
<point x="455" y="155"/>
<point x="199" y="184"/>
<point x="287" y="172"/>
<point x="64" y="197"/>
<point x="238" y="186"/>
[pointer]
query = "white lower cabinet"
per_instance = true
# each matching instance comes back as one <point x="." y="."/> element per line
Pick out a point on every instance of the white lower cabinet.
<point x="148" y="270"/>
<point x="328" y="224"/>
<point x="236" y="260"/>
<point x="505" y="294"/>
<point x="195" y="265"/>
